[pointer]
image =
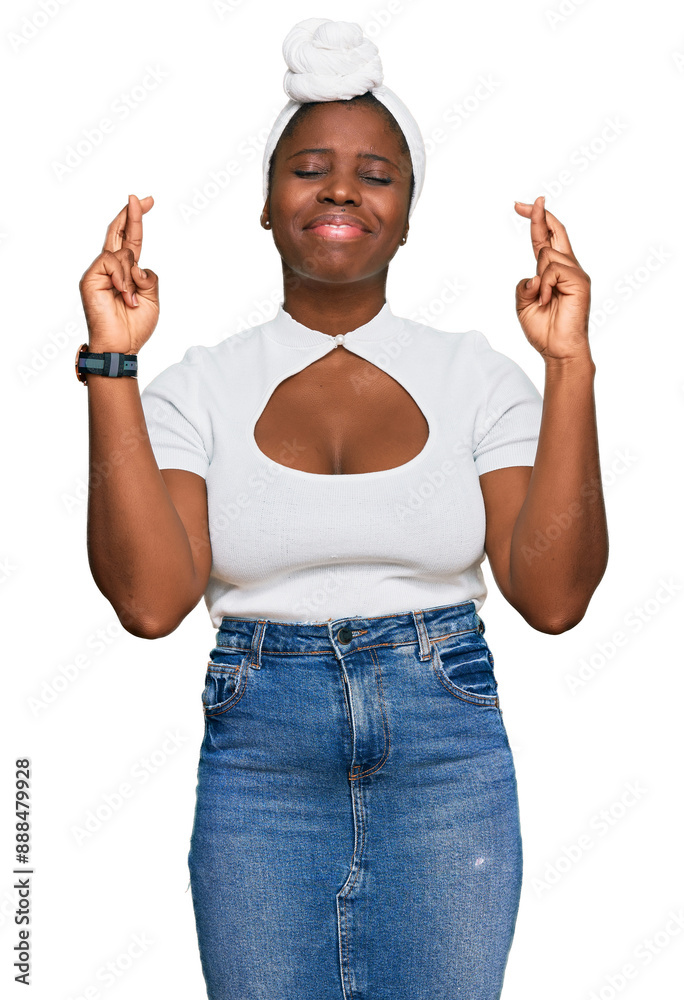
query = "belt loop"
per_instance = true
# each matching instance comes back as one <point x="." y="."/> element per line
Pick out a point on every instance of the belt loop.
<point x="423" y="637"/>
<point x="257" y="640"/>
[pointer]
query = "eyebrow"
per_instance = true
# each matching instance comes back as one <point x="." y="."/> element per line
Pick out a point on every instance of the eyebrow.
<point x="323" y="149"/>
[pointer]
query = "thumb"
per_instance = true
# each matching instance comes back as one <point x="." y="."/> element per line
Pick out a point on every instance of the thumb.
<point x="524" y="295"/>
<point x="145" y="278"/>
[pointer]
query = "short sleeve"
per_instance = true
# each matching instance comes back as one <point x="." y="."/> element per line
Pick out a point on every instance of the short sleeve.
<point x="509" y="410"/>
<point x="177" y="419"/>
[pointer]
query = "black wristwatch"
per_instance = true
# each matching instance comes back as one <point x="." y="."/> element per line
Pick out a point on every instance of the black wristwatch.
<point x="108" y="363"/>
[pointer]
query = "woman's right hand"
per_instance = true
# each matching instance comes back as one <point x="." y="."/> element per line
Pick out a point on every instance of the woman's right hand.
<point x="115" y="322"/>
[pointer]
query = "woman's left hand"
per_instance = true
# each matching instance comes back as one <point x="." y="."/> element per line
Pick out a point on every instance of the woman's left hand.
<point x="558" y="327"/>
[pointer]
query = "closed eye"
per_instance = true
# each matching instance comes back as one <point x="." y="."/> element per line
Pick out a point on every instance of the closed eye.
<point x="316" y="173"/>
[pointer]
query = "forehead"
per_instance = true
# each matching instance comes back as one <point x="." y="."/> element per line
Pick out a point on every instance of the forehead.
<point x="343" y="127"/>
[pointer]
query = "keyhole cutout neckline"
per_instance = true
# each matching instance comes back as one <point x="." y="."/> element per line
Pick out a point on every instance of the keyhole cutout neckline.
<point x="289" y="332"/>
<point x="285" y="330"/>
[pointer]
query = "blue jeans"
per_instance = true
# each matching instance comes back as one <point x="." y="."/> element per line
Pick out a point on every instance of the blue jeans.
<point x="356" y="832"/>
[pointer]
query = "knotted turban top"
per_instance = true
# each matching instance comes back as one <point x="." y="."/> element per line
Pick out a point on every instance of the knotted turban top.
<point x="334" y="61"/>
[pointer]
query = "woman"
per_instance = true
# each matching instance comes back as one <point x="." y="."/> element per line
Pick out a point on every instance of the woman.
<point x="330" y="481"/>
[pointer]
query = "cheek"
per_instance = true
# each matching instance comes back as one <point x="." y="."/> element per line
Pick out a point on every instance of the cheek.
<point x="285" y="239"/>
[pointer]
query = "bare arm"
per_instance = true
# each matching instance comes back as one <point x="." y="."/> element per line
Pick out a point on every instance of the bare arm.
<point x="148" y="540"/>
<point x="547" y="537"/>
<point x="140" y="520"/>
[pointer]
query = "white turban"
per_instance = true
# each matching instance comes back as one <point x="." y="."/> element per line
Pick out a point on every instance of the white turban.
<point x="334" y="61"/>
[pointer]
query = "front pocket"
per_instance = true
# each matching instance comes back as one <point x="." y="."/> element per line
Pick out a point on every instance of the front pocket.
<point x="463" y="665"/>
<point x="224" y="680"/>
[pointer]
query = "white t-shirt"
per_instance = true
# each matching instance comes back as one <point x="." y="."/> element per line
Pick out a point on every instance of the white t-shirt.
<point x="289" y="545"/>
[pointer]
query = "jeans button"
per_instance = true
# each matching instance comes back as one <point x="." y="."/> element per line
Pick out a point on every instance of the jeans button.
<point x="480" y="624"/>
<point x="345" y="635"/>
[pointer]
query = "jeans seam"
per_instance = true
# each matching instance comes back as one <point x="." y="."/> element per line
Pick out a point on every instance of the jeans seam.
<point x="351" y="886"/>
<point x="482" y="700"/>
<point x="212" y="715"/>
<point x="346" y="706"/>
<point x="378" y="681"/>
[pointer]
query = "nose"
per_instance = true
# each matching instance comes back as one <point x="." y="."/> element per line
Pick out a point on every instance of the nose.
<point x="341" y="188"/>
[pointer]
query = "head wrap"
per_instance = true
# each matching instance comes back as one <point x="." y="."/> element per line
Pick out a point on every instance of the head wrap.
<point x="334" y="61"/>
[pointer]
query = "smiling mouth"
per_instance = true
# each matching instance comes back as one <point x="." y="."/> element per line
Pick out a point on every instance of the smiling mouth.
<point x="342" y="232"/>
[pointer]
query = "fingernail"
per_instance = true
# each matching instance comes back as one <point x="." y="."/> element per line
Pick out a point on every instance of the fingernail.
<point x="528" y="284"/>
<point x="134" y="299"/>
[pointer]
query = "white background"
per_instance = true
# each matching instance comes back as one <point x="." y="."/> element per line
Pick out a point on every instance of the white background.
<point x="590" y="93"/>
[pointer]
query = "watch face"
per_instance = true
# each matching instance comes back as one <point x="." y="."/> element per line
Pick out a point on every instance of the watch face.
<point x="80" y="375"/>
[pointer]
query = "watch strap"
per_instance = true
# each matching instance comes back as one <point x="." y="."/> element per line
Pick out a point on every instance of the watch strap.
<point x="112" y="364"/>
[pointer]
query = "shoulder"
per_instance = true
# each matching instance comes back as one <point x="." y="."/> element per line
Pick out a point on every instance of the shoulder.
<point x="468" y="359"/>
<point x="419" y="332"/>
<point x="500" y="371"/>
<point x="474" y="349"/>
<point x="202" y="364"/>
<point x="460" y="350"/>
<point x="209" y="357"/>
<point x="430" y="350"/>
<point x="472" y="341"/>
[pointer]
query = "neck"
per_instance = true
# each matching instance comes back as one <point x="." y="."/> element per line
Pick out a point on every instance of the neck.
<point x="333" y="308"/>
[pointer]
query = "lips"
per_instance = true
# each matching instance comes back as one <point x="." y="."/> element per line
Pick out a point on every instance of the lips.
<point x="337" y="225"/>
<point x="336" y="232"/>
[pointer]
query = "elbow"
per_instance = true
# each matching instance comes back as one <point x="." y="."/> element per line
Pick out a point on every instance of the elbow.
<point x="563" y="611"/>
<point x="159" y="630"/>
<point x="554" y="627"/>
<point x="146" y="626"/>
<point x="142" y="630"/>
<point x="150" y="629"/>
<point x="553" y="624"/>
<point x="150" y="615"/>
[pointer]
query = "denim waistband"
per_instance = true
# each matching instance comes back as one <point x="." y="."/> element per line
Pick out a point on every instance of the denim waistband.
<point x="344" y="635"/>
